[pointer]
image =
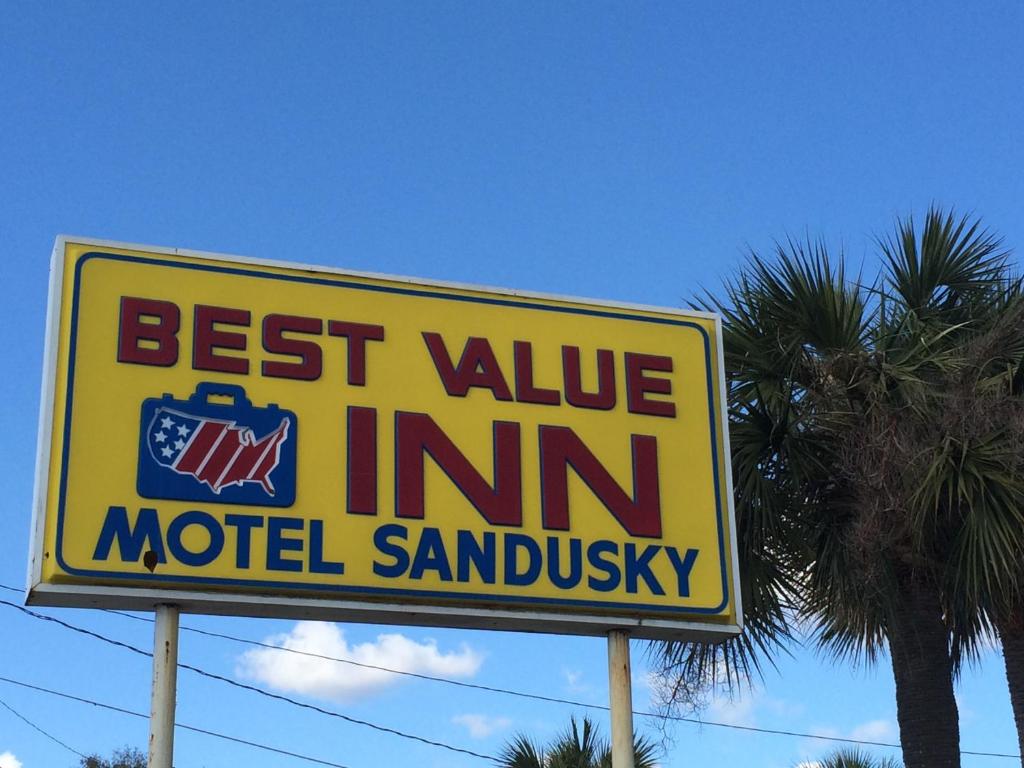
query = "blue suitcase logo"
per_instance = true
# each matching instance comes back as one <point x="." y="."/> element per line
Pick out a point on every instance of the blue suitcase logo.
<point x="195" y="450"/>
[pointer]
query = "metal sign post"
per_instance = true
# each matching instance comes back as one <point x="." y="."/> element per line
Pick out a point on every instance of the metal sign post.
<point x="621" y="694"/>
<point x="165" y="684"/>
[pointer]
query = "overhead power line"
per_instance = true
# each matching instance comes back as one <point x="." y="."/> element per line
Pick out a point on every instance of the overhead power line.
<point x="490" y="689"/>
<point x="30" y="724"/>
<point x="520" y="694"/>
<point x="364" y="665"/>
<point x="204" y="731"/>
<point x="539" y="697"/>
<point x="253" y="688"/>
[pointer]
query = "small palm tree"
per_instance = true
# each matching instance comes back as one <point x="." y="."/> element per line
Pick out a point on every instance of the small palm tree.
<point x="853" y="758"/>
<point x="576" y="747"/>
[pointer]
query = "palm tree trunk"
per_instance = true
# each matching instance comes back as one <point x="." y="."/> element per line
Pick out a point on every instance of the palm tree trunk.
<point x="1011" y="634"/>
<point x="921" y="664"/>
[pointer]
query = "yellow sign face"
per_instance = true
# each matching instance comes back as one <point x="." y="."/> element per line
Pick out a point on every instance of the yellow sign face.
<point x="232" y="432"/>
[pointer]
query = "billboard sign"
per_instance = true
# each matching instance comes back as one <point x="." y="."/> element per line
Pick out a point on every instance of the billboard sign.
<point x="261" y="438"/>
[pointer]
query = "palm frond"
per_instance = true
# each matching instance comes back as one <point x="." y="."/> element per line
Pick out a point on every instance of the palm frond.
<point x="952" y="263"/>
<point x="522" y="752"/>
<point x="856" y="758"/>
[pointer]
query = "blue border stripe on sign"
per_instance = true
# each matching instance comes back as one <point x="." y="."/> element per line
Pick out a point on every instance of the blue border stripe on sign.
<point x="380" y="591"/>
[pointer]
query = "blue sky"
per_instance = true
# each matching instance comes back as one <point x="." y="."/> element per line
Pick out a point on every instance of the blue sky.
<point x="620" y="151"/>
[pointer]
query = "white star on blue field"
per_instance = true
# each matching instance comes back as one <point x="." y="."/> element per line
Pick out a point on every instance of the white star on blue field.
<point x="168" y="435"/>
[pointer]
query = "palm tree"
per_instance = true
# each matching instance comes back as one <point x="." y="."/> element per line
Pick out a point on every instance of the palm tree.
<point x="1009" y="625"/>
<point x="973" y="473"/>
<point x="873" y="500"/>
<point x="852" y="758"/>
<point x="576" y="747"/>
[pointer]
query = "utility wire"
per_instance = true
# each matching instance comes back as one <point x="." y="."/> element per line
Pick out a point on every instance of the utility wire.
<point x="253" y="688"/>
<point x="203" y="731"/>
<point x="378" y="668"/>
<point x="539" y="697"/>
<point x="30" y="724"/>
<point x="505" y="691"/>
<point x="364" y="665"/>
<point x="508" y="692"/>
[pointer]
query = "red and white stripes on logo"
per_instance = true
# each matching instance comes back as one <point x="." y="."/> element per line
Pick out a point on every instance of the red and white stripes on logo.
<point x="221" y="454"/>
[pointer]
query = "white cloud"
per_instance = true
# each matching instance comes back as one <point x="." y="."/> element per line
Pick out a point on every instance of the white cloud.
<point x="874" y="730"/>
<point x="482" y="726"/>
<point x="871" y="730"/>
<point x="327" y="679"/>
<point x="783" y="708"/>
<point x="574" y="681"/>
<point x="8" y="760"/>
<point x="826" y="730"/>
<point x="644" y="683"/>
<point x="733" y="711"/>
<point x="744" y="707"/>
